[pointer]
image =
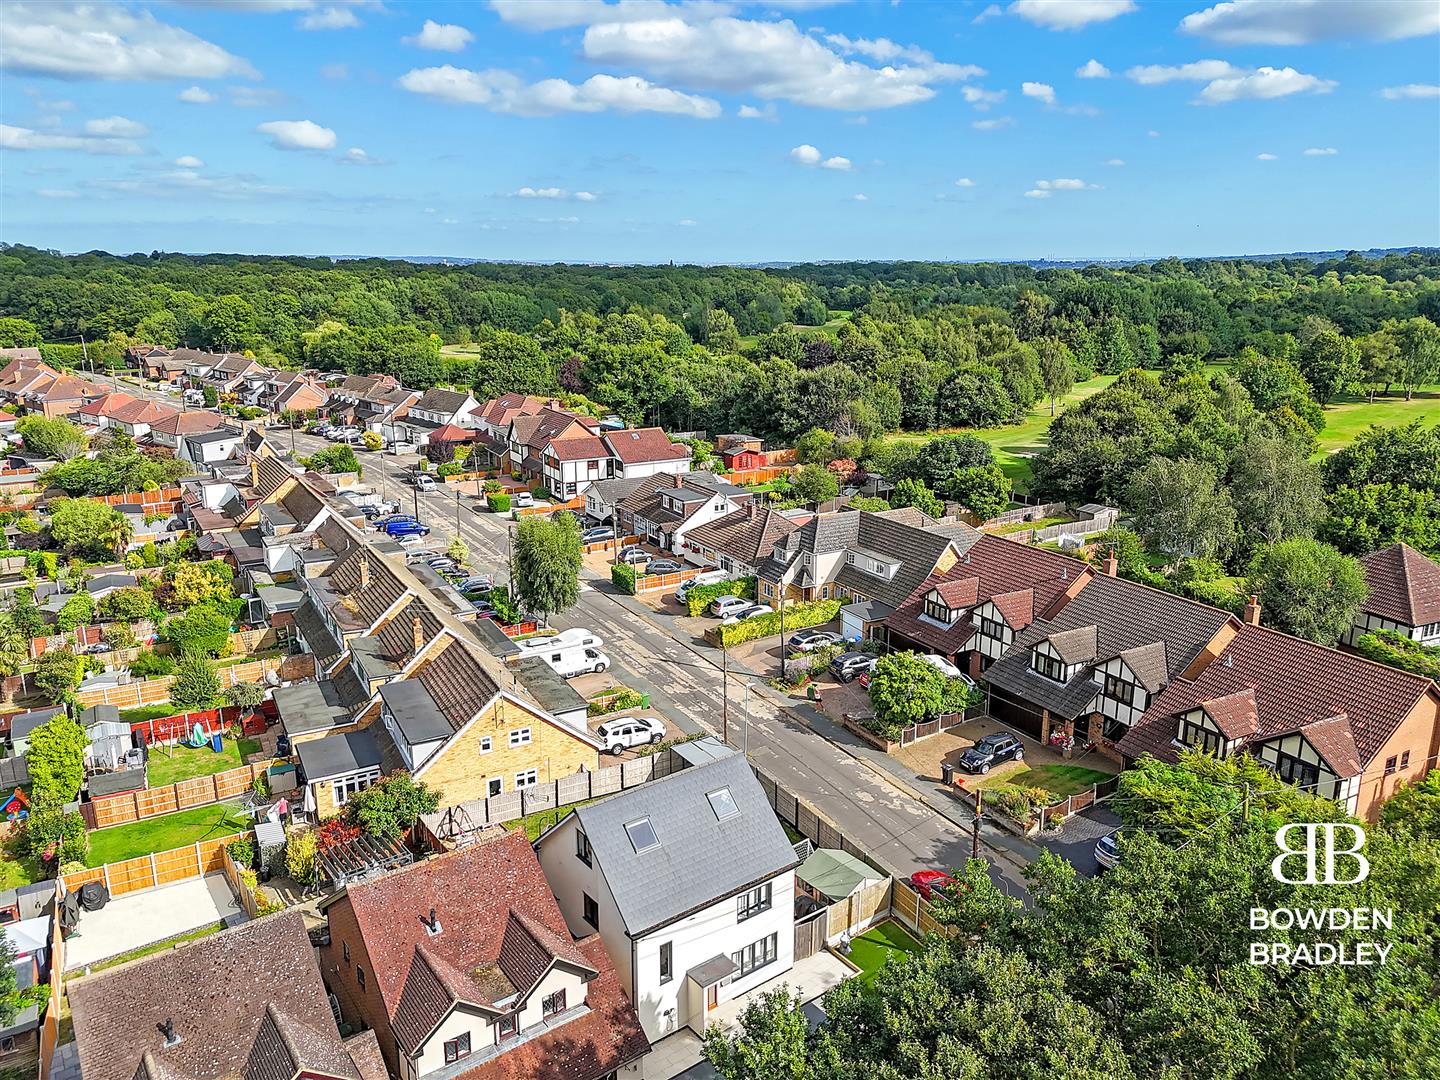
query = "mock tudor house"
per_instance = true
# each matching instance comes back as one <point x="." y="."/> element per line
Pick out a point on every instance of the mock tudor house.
<point x="665" y="507"/>
<point x="492" y="420"/>
<point x="247" y="1003"/>
<point x="463" y="967"/>
<point x="1404" y="596"/>
<point x="689" y="881"/>
<point x="530" y="434"/>
<point x="436" y="408"/>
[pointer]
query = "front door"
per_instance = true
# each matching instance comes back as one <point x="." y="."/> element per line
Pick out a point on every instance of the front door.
<point x="712" y="997"/>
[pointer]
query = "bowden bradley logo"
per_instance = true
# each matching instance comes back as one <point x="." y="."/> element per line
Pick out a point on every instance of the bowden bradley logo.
<point x="1317" y="839"/>
<point x="1326" y="853"/>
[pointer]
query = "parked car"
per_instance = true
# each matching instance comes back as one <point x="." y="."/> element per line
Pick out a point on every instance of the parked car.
<point x="485" y="610"/>
<point x="370" y="510"/>
<point x="597" y="535"/>
<point x="345" y="434"/>
<point x="617" y="736"/>
<point x="925" y="882"/>
<point x="473" y="584"/>
<point x="402" y="448"/>
<point x="410" y="539"/>
<point x="709" y="577"/>
<point x="726" y="605"/>
<point x="522" y="499"/>
<point x="1107" y="849"/>
<point x="425" y="482"/>
<point x="813" y="640"/>
<point x="945" y="667"/>
<point x="633" y="554"/>
<point x="96" y="649"/>
<point x="663" y="566"/>
<point x="748" y="613"/>
<point x="391" y="519"/>
<point x="407" y="528"/>
<point x="992" y="750"/>
<point x="849" y="666"/>
<point x="413" y="557"/>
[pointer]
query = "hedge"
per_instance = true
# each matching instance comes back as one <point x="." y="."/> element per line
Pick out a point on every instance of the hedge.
<point x="499" y="502"/>
<point x="622" y="576"/>
<point x="1398" y="651"/>
<point x="797" y="617"/>
<point x="700" y="597"/>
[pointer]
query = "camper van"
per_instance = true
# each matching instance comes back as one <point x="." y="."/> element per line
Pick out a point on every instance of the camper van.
<point x="570" y="653"/>
<point x="575" y="637"/>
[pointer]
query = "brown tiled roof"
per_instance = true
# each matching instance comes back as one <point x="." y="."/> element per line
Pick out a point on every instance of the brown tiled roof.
<point x="1296" y="685"/>
<point x="218" y="991"/>
<point x="458" y="682"/>
<point x="748" y="535"/>
<point x="1404" y="586"/>
<point x="271" y="472"/>
<point x="375" y="597"/>
<point x="188" y="423"/>
<point x="1016" y="608"/>
<point x="959" y="592"/>
<point x="1234" y="714"/>
<point x="453" y="433"/>
<point x="1147" y="662"/>
<point x="578" y="448"/>
<point x="424" y="999"/>
<point x="438" y="399"/>
<point x="397" y="634"/>
<point x="501" y="410"/>
<point x="106" y="405"/>
<point x="285" y="1047"/>
<point x="554" y="424"/>
<point x="635" y="446"/>
<point x="301" y="503"/>
<point x="1075" y="646"/>
<point x="143" y="412"/>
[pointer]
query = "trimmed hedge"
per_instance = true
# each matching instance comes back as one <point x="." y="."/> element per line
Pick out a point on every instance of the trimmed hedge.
<point x="797" y="617"/>
<point x="622" y="576"/>
<point x="499" y="502"/>
<point x="700" y="597"/>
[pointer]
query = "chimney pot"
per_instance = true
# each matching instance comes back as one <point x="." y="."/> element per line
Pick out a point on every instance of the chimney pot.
<point x="1252" y="611"/>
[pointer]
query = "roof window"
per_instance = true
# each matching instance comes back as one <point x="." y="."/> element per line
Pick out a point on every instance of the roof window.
<point x="642" y="835"/>
<point x="723" y="803"/>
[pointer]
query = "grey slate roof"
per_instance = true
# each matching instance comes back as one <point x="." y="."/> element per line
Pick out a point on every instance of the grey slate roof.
<point x="416" y="714"/>
<point x="700" y="859"/>
<point x="22" y="724"/>
<point x="338" y="755"/>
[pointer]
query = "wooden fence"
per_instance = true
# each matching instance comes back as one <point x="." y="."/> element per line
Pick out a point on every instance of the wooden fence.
<point x="248" y="900"/>
<point x="610" y="545"/>
<point x="857" y="913"/>
<point x="128" y="806"/>
<point x="757" y="476"/>
<point x="577" y="503"/>
<point x="146" y="499"/>
<point x="157" y="691"/>
<point x="161" y="868"/>
<point x="50" y="1024"/>
<point x="664" y="582"/>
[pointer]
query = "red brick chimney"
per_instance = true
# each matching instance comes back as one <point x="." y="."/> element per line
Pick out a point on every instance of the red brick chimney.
<point x="1112" y="564"/>
<point x="418" y="633"/>
<point x="675" y="480"/>
<point x="1251" y="613"/>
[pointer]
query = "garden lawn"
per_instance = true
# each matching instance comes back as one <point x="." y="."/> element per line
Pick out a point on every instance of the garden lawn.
<point x="16" y="868"/>
<point x="170" y="766"/>
<point x="875" y="948"/>
<point x="148" y="712"/>
<point x="1350" y="417"/>
<point x="1062" y="780"/>
<point x="165" y="832"/>
<point x="541" y="820"/>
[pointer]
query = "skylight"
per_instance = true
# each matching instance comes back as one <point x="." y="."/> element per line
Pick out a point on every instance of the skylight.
<point x="642" y="835"/>
<point x="723" y="803"/>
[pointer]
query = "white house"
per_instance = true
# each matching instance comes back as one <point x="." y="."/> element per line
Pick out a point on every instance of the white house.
<point x="434" y="409"/>
<point x="690" y="883"/>
<point x="211" y="447"/>
<point x="641" y="452"/>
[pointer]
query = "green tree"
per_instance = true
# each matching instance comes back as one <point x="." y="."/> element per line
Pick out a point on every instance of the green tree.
<point x="814" y="484"/>
<point x="914" y="493"/>
<point x="983" y="490"/>
<point x="1365" y="519"/>
<point x="721" y="334"/>
<point x="14" y="645"/>
<point x="18" y="333"/>
<point x="1276" y="489"/>
<point x="1057" y="368"/>
<point x="1180" y="510"/>
<point x="458" y="550"/>
<point x="245" y="695"/>
<point x="57" y="673"/>
<point x="83" y="525"/>
<point x="1417" y="341"/>
<point x="202" y="630"/>
<point x="1309" y="589"/>
<point x="52" y="438"/>
<point x="906" y="689"/>
<point x="940" y="458"/>
<point x="1329" y="361"/>
<point x="816" y="446"/>
<point x="1415" y="808"/>
<point x="57" y="758"/>
<point x="772" y="1044"/>
<point x="79" y="610"/>
<point x="196" y="685"/>
<point x="130" y="604"/>
<point x="390" y="807"/>
<point x="546" y="564"/>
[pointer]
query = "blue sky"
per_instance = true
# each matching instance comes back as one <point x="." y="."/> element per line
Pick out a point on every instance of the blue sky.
<point x="721" y="132"/>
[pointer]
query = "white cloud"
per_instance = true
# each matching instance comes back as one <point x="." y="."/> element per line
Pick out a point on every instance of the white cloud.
<point x="106" y="41"/>
<point x="441" y="37"/>
<point x="329" y="18"/>
<point x="57" y="193"/>
<point x="558" y="14"/>
<point x="1304" y="22"/>
<point x="1036" y="193"/>
<point x="116" y="127"/>
<point x="1070" y="14"/>
<point x="805" y="154"/>
<point x="981" y="98"/>
<point x="1198" y="71"/>
<point x="1263" y="84"/>
<point x="570" y="220"/>
<point x="196" y="95"/>
<point x="1064" y="184"/>
<point x="964" y="181"/>
<point x="750" y="112"/>
<point x="859" y="198"/>
<point x="1116" y="162"/>
<point x="1267" y="157"/>
<point x="687" y="222"/>
<point x="994" y="11"/>
<point x="1321" y="151"/>
<point x="769" y="59"/>
<point x="992" y="125"/>
<point x="1153" y="134"/>
<point x="19" y="138"/>
<point x="297" y="135"/>
<point x="505" y="92"/>
<point x="882" y="49"/>
<point x="357" y="156"/>
<point x="189" y="161"/>
<point x="1410" y="90"/>
<point x="1040" y="91"/>
<point x="554" y="193"/>
<point x="1092" y="69"/>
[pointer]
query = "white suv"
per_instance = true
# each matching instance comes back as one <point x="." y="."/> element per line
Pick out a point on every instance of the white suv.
<point x="617" y="736"/>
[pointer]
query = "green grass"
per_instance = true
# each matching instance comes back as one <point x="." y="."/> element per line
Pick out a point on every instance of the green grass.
<point x="1042" y="523"/>
<point x="163" y="833"/>
<point x="538" y="822"/>
<point x="1061" y="779"/>
<point x="793" y="834"/>
<point x="158" y="946"/>
<point x="147" y="712"/>
<point x="873" y="949"/>
<point x="15" y="867"/>
<point x="173" y="764"/>
<point x="1350" y="417"/>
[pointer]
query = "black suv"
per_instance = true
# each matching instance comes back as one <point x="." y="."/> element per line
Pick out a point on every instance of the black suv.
<point x="848" y="665"/>
<point x="992" y="750"/>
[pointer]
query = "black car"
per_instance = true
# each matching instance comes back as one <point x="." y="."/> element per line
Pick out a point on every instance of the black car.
<point x="849" y="665"/>
<point x="992" y="750"/>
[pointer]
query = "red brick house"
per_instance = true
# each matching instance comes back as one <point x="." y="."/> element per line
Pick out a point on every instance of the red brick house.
<point x="466" y="957"/>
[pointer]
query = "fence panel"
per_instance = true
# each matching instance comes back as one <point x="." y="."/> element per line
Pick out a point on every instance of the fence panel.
<point x="176" y="865"/>
<point x="569" y="789"/>
<point x="537" y="798"/>
<point x="636" y="771"/>
<point x="132" y="875"/>
<point x="607" y="781"/>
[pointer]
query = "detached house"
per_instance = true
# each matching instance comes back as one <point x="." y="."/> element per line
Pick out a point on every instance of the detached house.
<point x="136" y="418"/>
<point x="664" y="508"/>
<point x="1404" y="596"/>
<point x="738" y="543"/>
<point x="492" y="420"/>
<point x="690" y="883"/>
<point x="645" y="452"/>
<point x="434" y="409"/>
<point x="463" y="967"/>
<point x="167" y="431"/>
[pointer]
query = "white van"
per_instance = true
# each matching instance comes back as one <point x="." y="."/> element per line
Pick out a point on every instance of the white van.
<point x="425" y="482"/>
<point x="194" y="397"/>
<point x="575" y="638"/>
<point x="567" y="662"/>
<point x="709" y="577"/>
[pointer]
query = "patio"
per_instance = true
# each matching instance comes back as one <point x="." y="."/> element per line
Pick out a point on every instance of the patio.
<point x="144" y="918"/>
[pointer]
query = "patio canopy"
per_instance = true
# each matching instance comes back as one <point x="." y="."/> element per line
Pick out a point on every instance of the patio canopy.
<point x="835" y="874"/>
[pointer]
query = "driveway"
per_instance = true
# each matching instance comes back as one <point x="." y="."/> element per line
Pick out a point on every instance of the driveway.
<point x="1075" y="843"/>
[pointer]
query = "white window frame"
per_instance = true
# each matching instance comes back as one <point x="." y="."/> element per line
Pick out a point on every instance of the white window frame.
<point x="487" y="744"/>
<point x="520" y="737"/>
<point x="342" y="790"/>
<point x="527" y="778"/>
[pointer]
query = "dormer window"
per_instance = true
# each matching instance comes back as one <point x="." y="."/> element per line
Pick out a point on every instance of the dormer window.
<point x="936" y="609"/>
<point x="991" y="628"/>
<point x="1049" y="666"/>
<point x="1198" y="732"/>
<point x="1122" y="690"/>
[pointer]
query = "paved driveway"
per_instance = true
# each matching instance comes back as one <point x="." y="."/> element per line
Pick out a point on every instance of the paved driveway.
<point x="1076" y="841"/>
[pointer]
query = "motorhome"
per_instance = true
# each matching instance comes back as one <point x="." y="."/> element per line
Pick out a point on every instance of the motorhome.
<point x="570" y="653"/>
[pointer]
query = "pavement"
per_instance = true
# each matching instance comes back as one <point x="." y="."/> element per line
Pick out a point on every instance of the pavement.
<point x="1076" y="841"/>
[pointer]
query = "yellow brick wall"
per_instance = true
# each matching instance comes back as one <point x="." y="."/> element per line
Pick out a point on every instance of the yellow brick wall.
<point x="460" y="771"/>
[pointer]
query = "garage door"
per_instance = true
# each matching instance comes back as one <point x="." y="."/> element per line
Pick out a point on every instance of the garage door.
<point x="1019" y="716"/>
<point x="852" y="626"/>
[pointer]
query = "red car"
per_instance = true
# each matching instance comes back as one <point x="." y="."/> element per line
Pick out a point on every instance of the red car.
<point x="925" y="882"/>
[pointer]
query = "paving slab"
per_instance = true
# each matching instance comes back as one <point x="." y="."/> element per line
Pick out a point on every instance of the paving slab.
<point x="143" y="918"/>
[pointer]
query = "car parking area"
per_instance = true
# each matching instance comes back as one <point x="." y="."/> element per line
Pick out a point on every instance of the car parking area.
<point x="1040" y="767"/>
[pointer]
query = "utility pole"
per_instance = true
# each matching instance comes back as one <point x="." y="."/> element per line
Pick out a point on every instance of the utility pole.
<point x="1245" y="803"/>
<point x="615" y="528"/>
<point x="457" y="512"/>
<point x="86" y="354"/>
<point x="975" y="828"/>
